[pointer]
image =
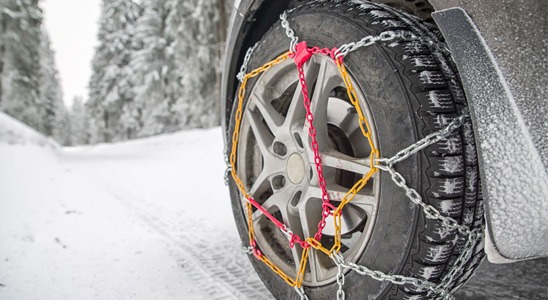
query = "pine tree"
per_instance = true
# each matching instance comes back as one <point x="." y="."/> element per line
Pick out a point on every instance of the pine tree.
<point x="175" y="51"/>
<point x="153" y="73"/>
<point x="193" y="24"/>
<point x="79" y="122"/>
<point x="109" y="85"/>
<point x="53" y="112"/>
<point x="63" y="131"/>
<point x="20" y="72"/>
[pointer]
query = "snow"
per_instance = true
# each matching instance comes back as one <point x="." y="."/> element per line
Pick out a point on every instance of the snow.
<point x="439" y="100"/>
<point x="148" y="219"/>
<point x="452" y="164"/>
<point x="448" y="207"/>
<point x="451" y="186"/>
<point x="439" y="253"/>
<point x="145" y="219"/>
<point x="12" y="132"/>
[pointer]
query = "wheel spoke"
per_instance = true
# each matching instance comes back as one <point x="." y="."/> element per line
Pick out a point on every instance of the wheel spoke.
<point x="310" y="210"/>
<point x="315" y="266"/>
<point x="338" y="160"/>
<point x="279" y="200"/>
<point x="272" y="117"/>
<point x="260" y="184"/>
<point x="327" y="80"/>
<point x="262" y="134"/>
<point x="336" y="193"/>
<point x="296" y="113"/>
<point x="292" y="220"/>
<point x="365" y="202"/>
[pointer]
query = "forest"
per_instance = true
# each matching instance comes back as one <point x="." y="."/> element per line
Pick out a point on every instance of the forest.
<point x="156" y="69"/>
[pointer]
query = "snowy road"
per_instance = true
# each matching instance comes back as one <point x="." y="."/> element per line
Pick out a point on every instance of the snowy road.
<point x="147" y="219"/>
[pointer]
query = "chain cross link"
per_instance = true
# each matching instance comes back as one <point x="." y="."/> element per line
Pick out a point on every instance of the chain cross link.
<point x="426" y="141"/>
<point x="380" y="276"/>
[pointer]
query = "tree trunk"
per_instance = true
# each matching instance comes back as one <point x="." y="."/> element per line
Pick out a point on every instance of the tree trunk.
<point x="2" y="51"/>
<point x="106" y="136"/>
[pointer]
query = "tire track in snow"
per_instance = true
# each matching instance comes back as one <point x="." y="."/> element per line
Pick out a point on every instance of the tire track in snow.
<point x="222" y="274"/>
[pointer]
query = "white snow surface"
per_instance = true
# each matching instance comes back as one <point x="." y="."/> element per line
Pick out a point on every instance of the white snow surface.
<point x="145" y="219"/>
<point x="148" y="219"/>
<point x="13" y="132"/>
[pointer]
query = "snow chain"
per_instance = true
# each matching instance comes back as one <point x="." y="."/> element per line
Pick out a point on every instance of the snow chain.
<point x="300" y="53"/>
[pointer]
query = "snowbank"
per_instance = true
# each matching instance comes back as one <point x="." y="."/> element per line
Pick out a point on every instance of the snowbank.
<point x="14" y="132"/>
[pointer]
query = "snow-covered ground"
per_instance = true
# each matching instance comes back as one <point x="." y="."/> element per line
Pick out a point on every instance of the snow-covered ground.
<point x="146" y="219"/>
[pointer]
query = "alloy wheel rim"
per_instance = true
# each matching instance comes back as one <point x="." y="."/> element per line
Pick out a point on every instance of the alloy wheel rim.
<point x="277" y="165"/>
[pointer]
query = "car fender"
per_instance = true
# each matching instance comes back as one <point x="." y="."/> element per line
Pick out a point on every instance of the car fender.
<point x="513" y="173"/>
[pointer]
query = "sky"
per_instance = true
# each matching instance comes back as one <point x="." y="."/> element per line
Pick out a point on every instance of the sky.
<point x="72" y="25"/>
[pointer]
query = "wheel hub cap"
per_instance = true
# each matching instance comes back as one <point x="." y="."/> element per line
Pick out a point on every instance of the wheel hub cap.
<point x="295" y="168"/>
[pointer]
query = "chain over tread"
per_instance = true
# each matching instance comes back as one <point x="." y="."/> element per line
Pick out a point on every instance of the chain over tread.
<point x="438" y="119"/>
<point x="451" y="180"/>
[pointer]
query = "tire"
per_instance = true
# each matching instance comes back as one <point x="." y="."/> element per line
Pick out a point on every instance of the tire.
<point x="410" y="91"/>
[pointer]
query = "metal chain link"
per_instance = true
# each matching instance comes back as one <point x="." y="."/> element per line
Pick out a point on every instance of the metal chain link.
<point x="227" y="162"/>
<point x="247" y="249"/>
<point x="473" y="236"/>
<point x="369" y="40"/>
<point x="339" y="261"/>
<point x="243" y="67"/>
<point x="380" y="276"/>
<point x="289" y="32"/>
<point x="426" y="141"/>
<point x="301" y="293"/>
<point x="430" y="211"/>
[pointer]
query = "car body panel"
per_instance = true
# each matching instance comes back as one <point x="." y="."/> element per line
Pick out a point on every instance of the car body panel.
<point x="513" y="175"/>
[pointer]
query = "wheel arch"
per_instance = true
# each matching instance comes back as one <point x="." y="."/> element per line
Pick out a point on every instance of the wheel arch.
<point x="251" y="19"/>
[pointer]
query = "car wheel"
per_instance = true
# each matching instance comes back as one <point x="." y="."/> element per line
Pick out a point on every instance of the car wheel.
<point x="406" y="90"/>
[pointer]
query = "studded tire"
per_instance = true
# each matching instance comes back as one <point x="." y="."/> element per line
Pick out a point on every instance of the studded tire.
<point x="411" y="91"/>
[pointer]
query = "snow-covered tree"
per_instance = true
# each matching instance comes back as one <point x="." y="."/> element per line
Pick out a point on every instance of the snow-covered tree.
<point x="173" y="77"/>
<point x="53" y="112"/>
<point x="29" y="81"/>
<point x="20" y="72"/>
<point x="153" y="72"/>
<point x="79" y="122"/>
<point x="63" y="131"/>
<point x="109" y="86"/>
<point x="193" y="26"/>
